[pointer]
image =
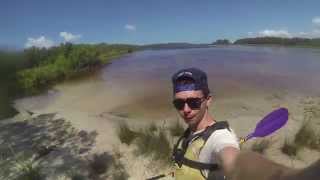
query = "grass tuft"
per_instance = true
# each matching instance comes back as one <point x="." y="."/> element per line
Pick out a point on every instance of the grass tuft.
<point x="150" y="140"/>
<point x="307" y="137"/>
<point x="290" y="148"/>
<point x="100" y="164"/>
<point x="154" y="143"/>
<point x="125" y="134"/>
<point x="176" y="129"/>
<point x="261" y="146"/>
<point x="28" y="170"/>
<point x="153" y="127"/>
<point x="78" y="176"/>
<point x="119" y="172"/>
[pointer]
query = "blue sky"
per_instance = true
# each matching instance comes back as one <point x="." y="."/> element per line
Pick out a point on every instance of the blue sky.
<point x="47" y="23"/>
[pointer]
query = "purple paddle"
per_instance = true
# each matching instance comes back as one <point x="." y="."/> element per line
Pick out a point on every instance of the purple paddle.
<point x="269" y="124"/>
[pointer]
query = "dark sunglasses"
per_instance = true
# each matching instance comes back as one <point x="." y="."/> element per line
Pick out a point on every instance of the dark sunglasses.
<point x="193" y="103"/>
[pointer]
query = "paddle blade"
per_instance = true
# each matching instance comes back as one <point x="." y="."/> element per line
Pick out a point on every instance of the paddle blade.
<point x="270" y="123"/>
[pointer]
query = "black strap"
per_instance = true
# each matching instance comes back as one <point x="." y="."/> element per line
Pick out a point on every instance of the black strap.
<point x="187" y="138"/>
<point x="216" y="126"/>
<point x="199" y="165"/>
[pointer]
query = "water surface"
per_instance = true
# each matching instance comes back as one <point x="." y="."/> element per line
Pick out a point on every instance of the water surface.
<point x="139" y="84"/>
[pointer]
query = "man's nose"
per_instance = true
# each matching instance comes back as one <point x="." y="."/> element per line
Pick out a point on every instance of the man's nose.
<point x="186" y="108"/>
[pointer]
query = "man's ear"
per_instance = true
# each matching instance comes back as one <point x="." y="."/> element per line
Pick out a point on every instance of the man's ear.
<point x="209" y="100"/>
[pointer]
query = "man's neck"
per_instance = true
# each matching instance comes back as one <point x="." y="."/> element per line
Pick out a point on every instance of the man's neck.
<point x="206" y="121"/>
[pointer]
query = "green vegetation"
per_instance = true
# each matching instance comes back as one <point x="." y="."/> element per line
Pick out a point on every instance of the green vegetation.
<point x="77" y="176"/>
<point x="28" y="170"/>
<point x="125" y="134"/>
<point x="34" y="69"/>
<point x="261" y="146"/>
<point x="151" y="140"/>
<point x="119" y="172"/>
<point x="301" y="42"/>
<point x="100" y="164"/>
<point x="289" y="148"/>
<point x="10" y="62"/>
<point x="154" y="143"/>
<point x="63" y="62"/>
<point x="176" y="129"/>
<point x="307" y="137"/>
<point x="222" y="42"/>
<point x="153" y="127"/>
<point x="173" y="46"/>
<point x="25" y="168"/>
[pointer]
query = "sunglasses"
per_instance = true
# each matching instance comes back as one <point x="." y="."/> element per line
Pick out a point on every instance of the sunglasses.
<point x="193" y="103"/>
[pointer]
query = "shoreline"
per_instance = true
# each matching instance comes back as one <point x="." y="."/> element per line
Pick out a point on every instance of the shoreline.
<point x="242" y="112"/>
<point x="74" y="76"/>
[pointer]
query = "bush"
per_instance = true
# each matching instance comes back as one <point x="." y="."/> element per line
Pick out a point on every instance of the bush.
<point x="261" y="146"/>
<point x="154" y="143"/>
<point x="47" y="66"/>
<point x="289" y="148"/>
<point x="150" y="141"/>
<point x="77" y="176"/>
<point x="153" y="127"/>
<point x="28" y="170"/>
<point x="176" y="129"/>
<point x="307" y="137"/>
<point x="100" y="164"/>
<point x="125" y="134"/>
<point x="119" y="172"/>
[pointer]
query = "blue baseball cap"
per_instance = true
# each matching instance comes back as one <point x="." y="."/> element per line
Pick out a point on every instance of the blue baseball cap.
<point x="198" y="77"/>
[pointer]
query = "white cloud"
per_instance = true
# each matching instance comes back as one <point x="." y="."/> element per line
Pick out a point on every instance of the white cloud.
<point x="250" y="33"/>
<point x="316" y="21"/>
<point x="316" y="33"/>
<point x="274" y="33"/>
<point x="313" y="34"/>
<point x="39" y="42"/>
<point x="69" y="37"/>
<point x="130" y="27"/>
<point x="303" y="34"/>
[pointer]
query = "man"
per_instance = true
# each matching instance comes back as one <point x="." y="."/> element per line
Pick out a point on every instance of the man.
<point x="209" y="149"/>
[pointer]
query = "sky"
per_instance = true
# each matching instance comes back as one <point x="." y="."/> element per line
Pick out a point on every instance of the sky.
<point x="45" y="23"/>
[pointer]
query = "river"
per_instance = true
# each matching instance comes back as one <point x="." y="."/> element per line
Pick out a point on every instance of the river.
<point x="139" y="84"/>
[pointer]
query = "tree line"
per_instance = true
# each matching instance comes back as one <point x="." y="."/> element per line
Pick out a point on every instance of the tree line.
<point x="32" y="70"/>
<point x="47" y="66"/>
<point x="315" y="42"/>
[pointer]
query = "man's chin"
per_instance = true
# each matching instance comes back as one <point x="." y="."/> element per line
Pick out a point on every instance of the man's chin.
<point x="190" y="122"/>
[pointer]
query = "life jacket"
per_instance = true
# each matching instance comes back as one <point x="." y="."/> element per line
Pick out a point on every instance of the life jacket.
<point x="187" y="150"/>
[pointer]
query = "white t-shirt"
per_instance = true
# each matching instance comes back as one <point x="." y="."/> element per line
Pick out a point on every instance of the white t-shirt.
<point x="218" y="140"/>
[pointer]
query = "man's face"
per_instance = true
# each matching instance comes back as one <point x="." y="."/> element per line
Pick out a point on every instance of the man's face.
<point x="192" y="116"/>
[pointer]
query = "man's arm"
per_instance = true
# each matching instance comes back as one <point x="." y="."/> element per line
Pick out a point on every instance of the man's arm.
<point x="253" y="166"/>
<point x="227" y="157"/>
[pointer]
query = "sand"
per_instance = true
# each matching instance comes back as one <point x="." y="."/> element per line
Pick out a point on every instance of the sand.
<point x="91" y="107"/>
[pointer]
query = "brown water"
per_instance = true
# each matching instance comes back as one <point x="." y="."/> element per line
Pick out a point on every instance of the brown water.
<point x="139" y="84"/>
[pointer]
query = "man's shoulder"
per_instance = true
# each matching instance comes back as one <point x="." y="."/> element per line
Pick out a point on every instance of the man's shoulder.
<point x="220" y="125"/>
<point x="222" y="138"/>
<point x="223" y="131"/>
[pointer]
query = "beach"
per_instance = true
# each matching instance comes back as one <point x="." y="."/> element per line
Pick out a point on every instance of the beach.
<point x="241" y="111"/>
<point x="93" y="107"/>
